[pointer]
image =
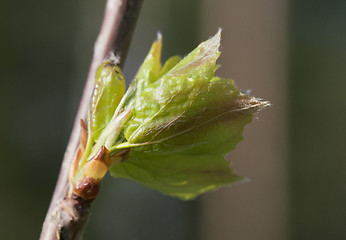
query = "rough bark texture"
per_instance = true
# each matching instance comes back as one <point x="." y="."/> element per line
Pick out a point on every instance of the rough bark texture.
<point x="67" y="216"/>
<point x="68" y="219"/>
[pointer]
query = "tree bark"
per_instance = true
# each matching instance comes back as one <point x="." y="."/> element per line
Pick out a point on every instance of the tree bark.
<point x="67" y="216"/>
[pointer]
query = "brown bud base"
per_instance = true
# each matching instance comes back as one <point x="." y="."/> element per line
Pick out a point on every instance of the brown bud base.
<point x="87" y="189"/>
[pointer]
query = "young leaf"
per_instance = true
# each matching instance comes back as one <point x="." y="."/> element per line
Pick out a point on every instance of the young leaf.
<point x="185" y="157"/>
<point x="169" y="64"/>
<point x="173" y="94"/>
<point x="147" y="73"/>
<point x="201" y="62"/>
<point x="181" y="176"/>
<point x="108" y="91"/>
<point x="182" y="124"/>
<point x="198" y="121"/>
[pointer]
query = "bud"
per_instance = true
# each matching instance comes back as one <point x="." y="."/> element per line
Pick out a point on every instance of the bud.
<point x="87" y="181"/>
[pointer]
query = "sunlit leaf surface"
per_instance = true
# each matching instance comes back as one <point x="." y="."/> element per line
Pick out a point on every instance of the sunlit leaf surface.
<point x="183" y="121"/>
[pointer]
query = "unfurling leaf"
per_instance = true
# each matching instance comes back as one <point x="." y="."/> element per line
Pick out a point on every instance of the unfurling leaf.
<point x="147" y="73"/>
<point x="172" y="127"/>
<point x="169" y="64"/>
<point x="108" y="91"/>
<point x="183" y="120"/>
<point x="179" y="175"/>
<point x="87" y="169"/>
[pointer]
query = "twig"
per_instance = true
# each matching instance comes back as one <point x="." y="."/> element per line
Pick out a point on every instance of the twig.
<point x="67" y="217"/>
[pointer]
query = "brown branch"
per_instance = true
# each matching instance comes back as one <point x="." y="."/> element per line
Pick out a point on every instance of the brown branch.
<point x="67" y="216"/>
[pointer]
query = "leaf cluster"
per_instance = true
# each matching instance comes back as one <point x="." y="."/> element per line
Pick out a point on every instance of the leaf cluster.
<point x="175" y="122"/>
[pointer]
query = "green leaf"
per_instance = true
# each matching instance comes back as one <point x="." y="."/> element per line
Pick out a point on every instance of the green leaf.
<point x="201" y="62"/>
<point x="169" y="64"/>
<point x="108" y="91"/>
<point x="172" y="113"/>
<point x="213" y="123"/>
<point x="190" y="148"/>
<point x="147" y="73"/>
<point x="171" y="95"/>
<point x="181" y="176"/>
<point x="182" y="124"/>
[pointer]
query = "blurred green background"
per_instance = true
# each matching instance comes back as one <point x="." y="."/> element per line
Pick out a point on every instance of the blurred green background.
<point x="292" y="53"/>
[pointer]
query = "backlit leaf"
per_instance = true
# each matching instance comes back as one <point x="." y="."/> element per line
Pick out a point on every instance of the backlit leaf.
<point x="108" y="91"/>
<point x="183" y="123"/>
